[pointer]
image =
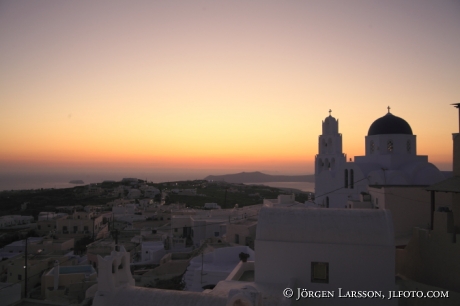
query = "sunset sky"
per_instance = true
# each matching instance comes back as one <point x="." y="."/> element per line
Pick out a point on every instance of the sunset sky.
<point x="220" y="86"/>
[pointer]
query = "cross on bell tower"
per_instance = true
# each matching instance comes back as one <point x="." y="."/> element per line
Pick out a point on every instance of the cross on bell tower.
<point x="330" y="111"/>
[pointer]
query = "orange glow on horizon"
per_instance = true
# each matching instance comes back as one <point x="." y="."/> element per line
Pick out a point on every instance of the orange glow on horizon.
<point x="238" y="86"/>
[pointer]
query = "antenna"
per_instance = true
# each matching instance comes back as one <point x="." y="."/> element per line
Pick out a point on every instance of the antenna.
<point x="457" y="105"/>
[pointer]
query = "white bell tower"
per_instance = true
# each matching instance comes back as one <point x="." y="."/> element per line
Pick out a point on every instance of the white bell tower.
<point x="329" y="146"/>
<point x="330" y="157"/>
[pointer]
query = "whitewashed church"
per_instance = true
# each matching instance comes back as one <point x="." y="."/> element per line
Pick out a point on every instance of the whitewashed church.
<point x="390" y="159"/>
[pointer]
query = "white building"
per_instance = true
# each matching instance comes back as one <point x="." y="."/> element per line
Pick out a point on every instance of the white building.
<point x="152" y="251"/>
<point x="10" y="294"/>
<point x="67" y="281"/>
<point x="211" y="206"/>
<point x="206" y="270"/>
<point x="46" y="215"/>
<point x="204" y="227"/>
<point x="127" y="212"/>
<point x="326" y="249"/>
<point x="129" y="208"/>
<point x="16" y="221"/>
<point x="242" y="232"/>
<point x="390" y="159"/>
<point x="200" y="225"/>
<point x="151" y="192"/>
<point x="134" y="194"/>
<point x="18" y="247"/>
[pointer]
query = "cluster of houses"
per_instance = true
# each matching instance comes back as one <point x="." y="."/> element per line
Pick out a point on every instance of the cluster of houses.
<point x="16" y="222"/>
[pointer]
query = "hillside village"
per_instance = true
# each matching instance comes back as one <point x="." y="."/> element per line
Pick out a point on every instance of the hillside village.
<point x="153" y="222"/>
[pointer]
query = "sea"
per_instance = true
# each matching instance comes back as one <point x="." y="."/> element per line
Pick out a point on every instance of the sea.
<point x="57" y="180"/>
<point x="302" y="186"/>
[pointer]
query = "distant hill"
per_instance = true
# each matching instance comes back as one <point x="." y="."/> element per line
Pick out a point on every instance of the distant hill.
<point x="78" y="182"/>
<point x="259" y="177"/>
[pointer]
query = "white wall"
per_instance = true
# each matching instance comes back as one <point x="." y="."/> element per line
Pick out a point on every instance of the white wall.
<point x="351" y="267"/>
<point x="153" y="251"/>
<point x="9" y="293"/>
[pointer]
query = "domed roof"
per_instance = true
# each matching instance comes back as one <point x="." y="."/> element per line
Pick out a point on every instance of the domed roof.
<point x="389" y="124"/>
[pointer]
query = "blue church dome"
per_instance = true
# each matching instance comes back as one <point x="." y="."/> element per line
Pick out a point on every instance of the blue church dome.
<point x="389" y="124"/>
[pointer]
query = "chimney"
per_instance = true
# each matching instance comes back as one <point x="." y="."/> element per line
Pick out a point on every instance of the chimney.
<point x="456" y="172"/>
<point x="456" y="139"/>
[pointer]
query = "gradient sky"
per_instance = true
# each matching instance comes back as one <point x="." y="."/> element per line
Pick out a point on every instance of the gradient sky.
<point x="220" y="85"/>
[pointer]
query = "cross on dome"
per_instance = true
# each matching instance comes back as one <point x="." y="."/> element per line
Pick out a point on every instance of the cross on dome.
<point x="388" y="109"/>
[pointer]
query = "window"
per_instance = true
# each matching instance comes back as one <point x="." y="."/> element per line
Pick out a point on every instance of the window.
<point x="408" y="146"/>
<point x="249" y="242"/>
<point x="372" y="146"/>
<point x="85" y="228"/>
<point x="216" y="234"/>
<point x="352" y="179"/>
<point x="327" y="202"/>
<point x="39" y="226"/>
<point x="346" y="178"/>
<point x="237" y="238"/>
<point x="320" y="164"/>
<point x="19" y="276"/>
<point x="320" y="272"/>
<point x="175" y="230"/>
<point x="75" y="229"/>
<point x="186" y="231"/>
<point x="390" y="146"/>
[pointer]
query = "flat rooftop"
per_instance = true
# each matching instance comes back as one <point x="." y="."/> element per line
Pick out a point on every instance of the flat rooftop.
<point x="87" y="269"/>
